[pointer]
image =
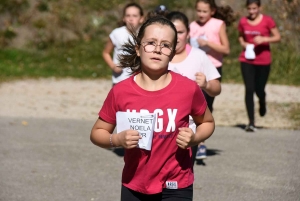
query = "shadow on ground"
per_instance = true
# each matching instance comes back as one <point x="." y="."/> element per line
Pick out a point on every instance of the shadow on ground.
<point x="243" y="126"/>
<point x="209" y="152"/>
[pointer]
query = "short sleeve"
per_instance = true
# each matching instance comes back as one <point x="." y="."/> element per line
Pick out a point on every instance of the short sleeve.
<point x="271" y="23"/>
<point x="109" y="108"/>
<point x="198" y="103"/>
<point x="112" y="37"/>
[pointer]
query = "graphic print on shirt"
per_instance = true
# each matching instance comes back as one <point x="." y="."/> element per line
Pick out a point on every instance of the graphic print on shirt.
<point x="171" y="126"/>
<point x="256" y="33"/>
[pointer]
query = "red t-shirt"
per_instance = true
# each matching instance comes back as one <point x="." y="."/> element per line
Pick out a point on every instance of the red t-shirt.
<point x="262" y="51"/>
<point x="148" y="171"/>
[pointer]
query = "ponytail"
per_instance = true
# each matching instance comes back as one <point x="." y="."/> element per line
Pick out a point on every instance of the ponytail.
<point x="224" y="13"/>
<point x="129" y="57"/>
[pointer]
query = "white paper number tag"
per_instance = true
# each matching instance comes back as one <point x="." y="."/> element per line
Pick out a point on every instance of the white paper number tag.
<point x="142" y="122"/>
<point x="250" y="54"/>
<point x="194" y="43"/>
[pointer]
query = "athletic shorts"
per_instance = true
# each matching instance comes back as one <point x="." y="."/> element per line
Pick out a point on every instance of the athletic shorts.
<point x="183" y="194"/>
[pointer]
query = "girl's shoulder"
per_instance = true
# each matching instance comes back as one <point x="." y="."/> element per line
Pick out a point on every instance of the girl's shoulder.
<point x="215" y="20"/>
<point x="267" y="18"/>
<point x="178" y="78"/>
<point x="194" y="24"/>
<point x="212" y="23"/>
<point x="121" y="29"/>
<point x="215" y="23"/>
<point x="198" y="52"/>
<point x="243" y="19"/>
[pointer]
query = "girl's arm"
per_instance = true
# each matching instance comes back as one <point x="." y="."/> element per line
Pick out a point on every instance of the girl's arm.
<point x="205" y="128"/>
<point x="101" y="135"/>
<point x="211" y="87"/>
<point x="274" y="38"/>
<point x="243" y="43"/>
<point x="224" y="47"/>
<point x="106" y="54"/>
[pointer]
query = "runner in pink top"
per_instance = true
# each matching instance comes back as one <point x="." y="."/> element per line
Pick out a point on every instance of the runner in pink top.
<point x="165" y="172"/>
<point x="208" y="33"/>
<point x="256" y="32"/>
<point x="193" y="63"/>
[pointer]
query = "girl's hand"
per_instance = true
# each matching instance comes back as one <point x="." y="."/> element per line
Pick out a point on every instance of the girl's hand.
<point x="184" y="137"/>
<point x="129" y="138"/>
<point x="202" y="43"/>
<point x="259" y="40"/>
<point x="117" y="69"/>
<point x="245" y="45"/>
<point x="201" y="80"/>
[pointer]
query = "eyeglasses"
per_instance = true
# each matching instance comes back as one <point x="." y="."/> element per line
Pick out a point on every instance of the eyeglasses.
<point x="150" y="46"/>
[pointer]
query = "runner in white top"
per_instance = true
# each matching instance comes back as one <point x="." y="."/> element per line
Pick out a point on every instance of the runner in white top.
<point x="132" y="18"/>
<point x="195" y="62"/>
<point x="118" y="37"/>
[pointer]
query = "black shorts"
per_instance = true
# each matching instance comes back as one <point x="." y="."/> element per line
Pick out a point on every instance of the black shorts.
<point x="183" y="194"/>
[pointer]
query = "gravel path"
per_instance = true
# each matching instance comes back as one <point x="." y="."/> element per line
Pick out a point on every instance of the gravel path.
<point x="82" y="99"/>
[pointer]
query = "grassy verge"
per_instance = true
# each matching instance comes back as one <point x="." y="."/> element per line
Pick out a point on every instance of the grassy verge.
<point x="80" y="60"/>
<point x="294" y="114"/>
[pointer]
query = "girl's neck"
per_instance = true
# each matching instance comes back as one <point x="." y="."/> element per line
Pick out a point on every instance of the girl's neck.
<point x="153" y="82"/>
<point x="203" y="23"/>
<point x="255" y="20"/>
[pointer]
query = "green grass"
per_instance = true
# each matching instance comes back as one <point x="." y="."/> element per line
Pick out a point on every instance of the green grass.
<point x="84" y="60"/>
<point x="79" y="60"/>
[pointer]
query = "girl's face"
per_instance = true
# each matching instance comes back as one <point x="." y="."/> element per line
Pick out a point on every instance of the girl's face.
<point x="132" y="17"/>
<point x="156" y="49"/>
<point x="204" y="12"/>
<point x="182" y="35"/>
<point x="253" y="11"/>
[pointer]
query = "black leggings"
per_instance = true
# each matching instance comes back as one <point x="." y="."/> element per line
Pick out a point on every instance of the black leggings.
<point x="255" y="79"/>
<point x="184" y="194"/>
<point x="209" y="99"/>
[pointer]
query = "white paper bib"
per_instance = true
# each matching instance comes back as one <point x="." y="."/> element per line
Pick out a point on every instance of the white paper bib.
<point x="249" y="53"/>
<point x="142" y="122"/>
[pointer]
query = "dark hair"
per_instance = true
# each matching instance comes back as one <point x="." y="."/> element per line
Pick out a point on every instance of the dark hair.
<point x="176" y="15"/>
<point x="257" y="2"/>
<point x="224" y="13"/>
<point x="121" y="23"/>
<point x="129" y="57"/>
<point x="160" y="10"/>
